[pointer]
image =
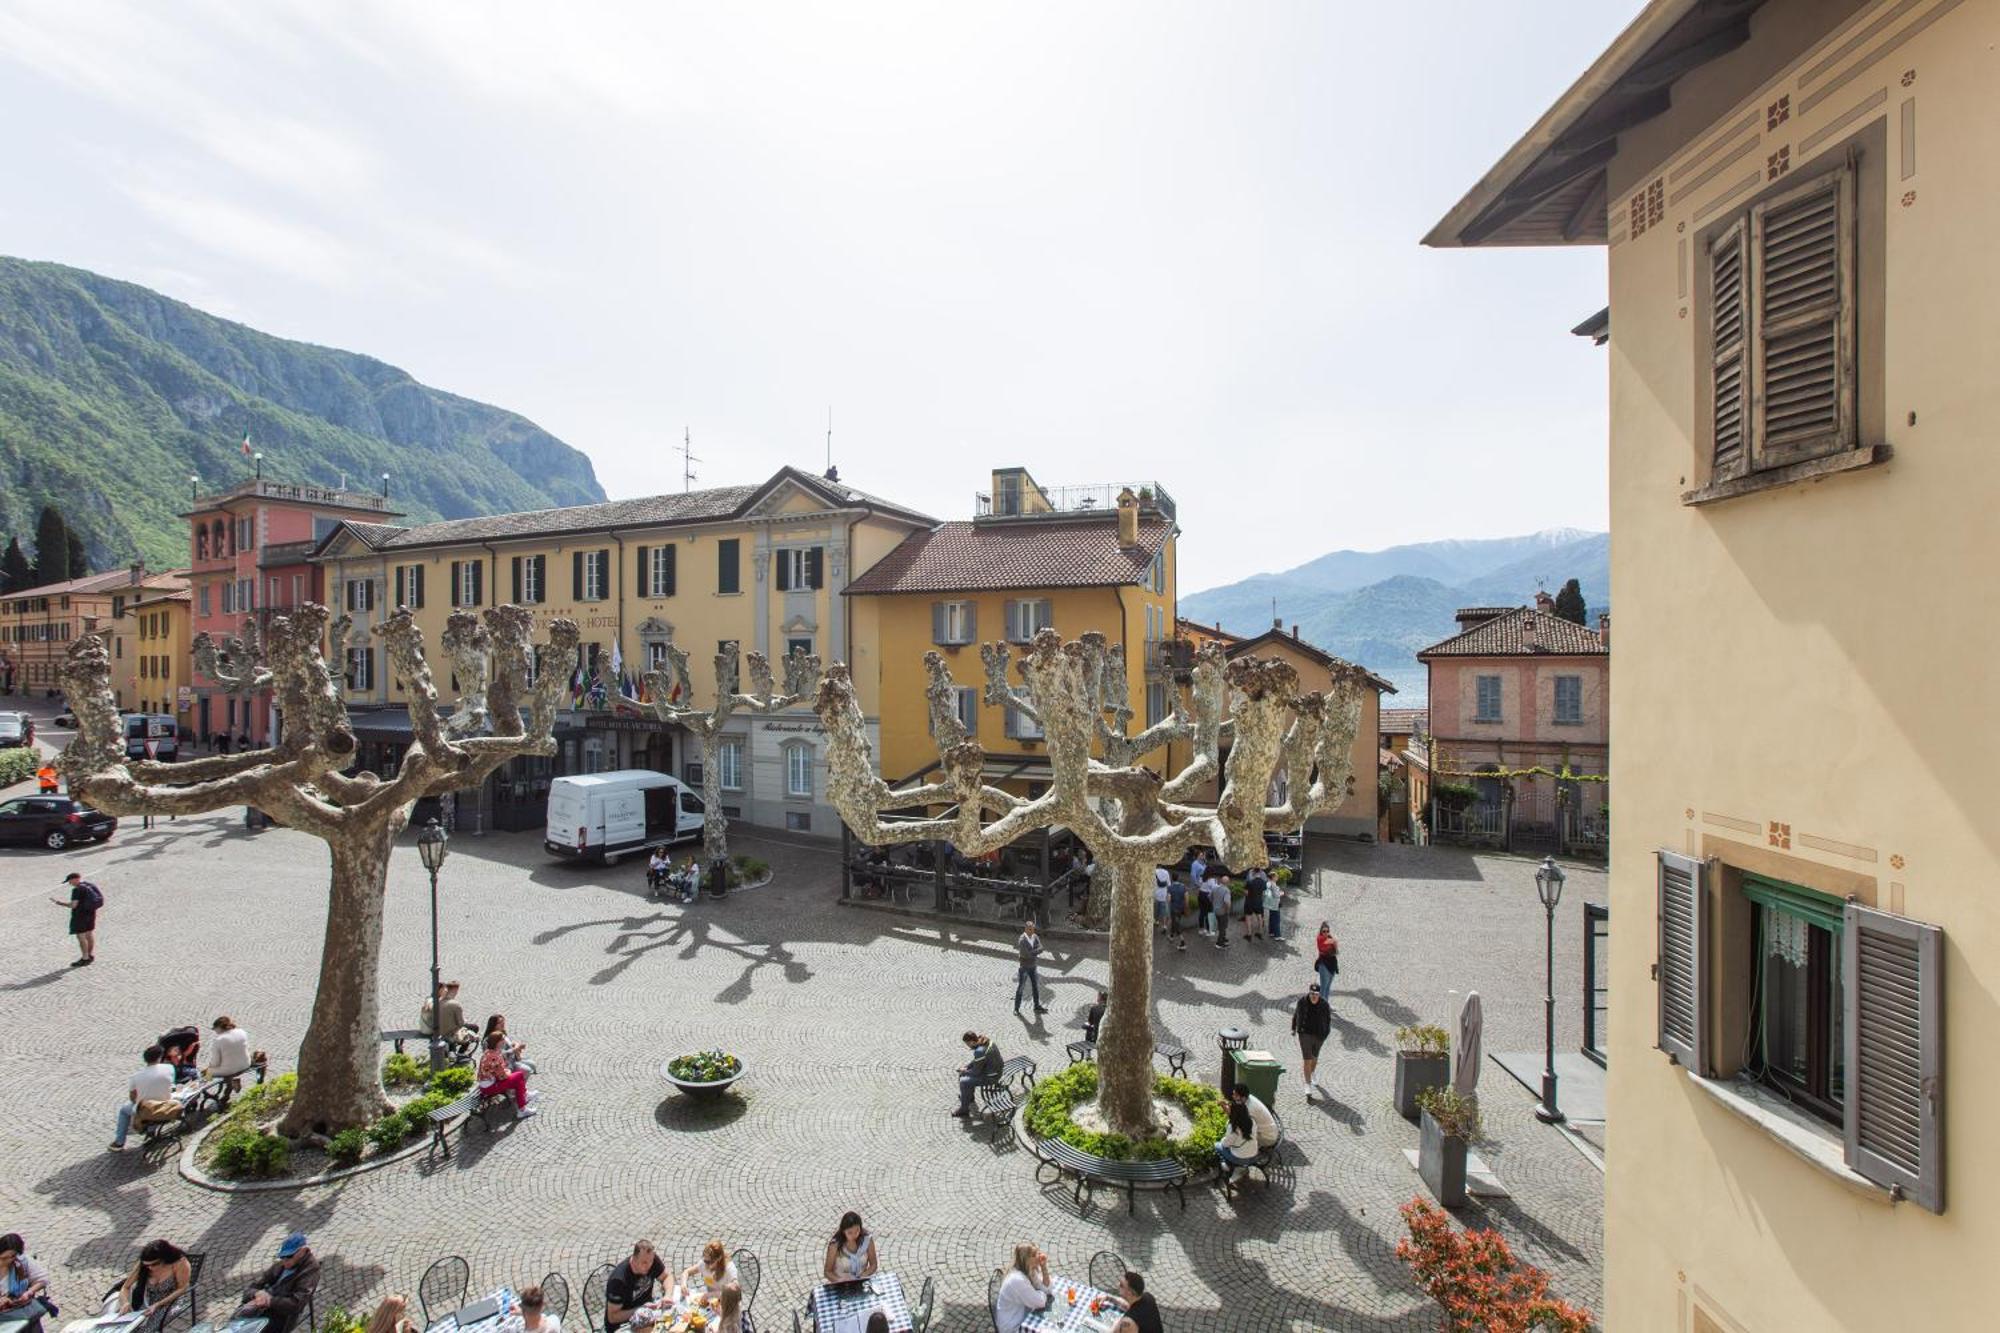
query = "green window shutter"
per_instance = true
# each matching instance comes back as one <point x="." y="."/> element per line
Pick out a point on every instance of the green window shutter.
<point x="454" y="582"/>
<point x="784" y="571"/>
<point x="517" y="579"/>
<point x="541" y="578"/>
<point x="1681" y="972"/>
<point x="399" y="591"/>
<point x="576" y="575"/>
<point x="417" y="593"/>
<point x="1818" y="909"/>
<point x="728" y="565"/>
<point x="479" y="583"/>
<point x="816" y="567"/>
<point x="645" y="572"/>
<point x="1892" y="988"/>
<point x="673" y="576"/>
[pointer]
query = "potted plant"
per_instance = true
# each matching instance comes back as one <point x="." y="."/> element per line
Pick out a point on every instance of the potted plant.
<point x="1423" y="1060"/>
<point x="703" y="1074"/>
<point x="1450" y="1124"/>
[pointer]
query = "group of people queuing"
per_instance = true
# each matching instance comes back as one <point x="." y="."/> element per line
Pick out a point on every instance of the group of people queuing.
<point x="499" y="1063"/>
<point x="175" y="1067"/>
<point x="1212" y="893"/>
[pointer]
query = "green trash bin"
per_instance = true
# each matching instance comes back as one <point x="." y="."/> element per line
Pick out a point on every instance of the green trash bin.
<point x="1259" y="1071"/>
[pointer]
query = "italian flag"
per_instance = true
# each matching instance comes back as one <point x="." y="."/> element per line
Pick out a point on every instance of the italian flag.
<point x="246" y="444"/>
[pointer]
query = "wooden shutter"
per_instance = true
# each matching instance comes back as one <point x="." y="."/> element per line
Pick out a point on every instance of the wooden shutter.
<point x="728" y="559"/>
<point x="816" y="567"/>
<point x="416" y="586"/>
<point x="645" y="572"/>
<point x="672" y="571"/>
<point x="1802" y="305"/>
<point x="784" y="571"/>
<point x="1681" y="972"/>
<point x="1892" y="988"/>
<point x="576" y="575"/>
<point x="517" y="579"/>
<point x="479" y="583"/>
<point x="454" y="582"/>
<point x="1730" y="298"/>
<point x="1012" y="611"/>
<point x="940" y="631"/>
<point x="401" y="600"/>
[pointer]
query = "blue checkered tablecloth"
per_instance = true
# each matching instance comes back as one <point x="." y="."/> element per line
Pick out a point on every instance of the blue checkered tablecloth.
<point x="883" y="1292"/>
<point x="1059" y="1318"/>
<point x="508" y="1321"/>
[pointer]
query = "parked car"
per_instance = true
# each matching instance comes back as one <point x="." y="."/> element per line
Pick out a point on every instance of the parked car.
<point x="16" y="730"/>
<point x="65" y="719"/>
<point x="159" y="728"/>
<point x="53" y="821"/>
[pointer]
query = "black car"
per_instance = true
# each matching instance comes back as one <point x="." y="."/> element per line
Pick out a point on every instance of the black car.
<point x="53" y="821"/>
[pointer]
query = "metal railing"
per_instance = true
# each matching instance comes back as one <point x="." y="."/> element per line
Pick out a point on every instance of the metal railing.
<point x="1596" y="978"/>
<point x="1025" y="502"/>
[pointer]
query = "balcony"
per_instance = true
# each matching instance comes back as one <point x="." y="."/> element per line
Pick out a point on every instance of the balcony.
<point x="1169" y="657"/>
<point x="1033" y="501"/>
<point x="260" y="488"/>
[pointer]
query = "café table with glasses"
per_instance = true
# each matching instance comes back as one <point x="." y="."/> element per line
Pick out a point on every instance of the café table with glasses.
<point x="676" y="1310"/>
<point x="499" y="1311"/>
<point x="1076" y="1307"/>
<point x="254" y="1324"/>
<point x="838" y="1307"/>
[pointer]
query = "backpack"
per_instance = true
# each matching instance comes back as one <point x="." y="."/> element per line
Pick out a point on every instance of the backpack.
<point x="92" y="895"/>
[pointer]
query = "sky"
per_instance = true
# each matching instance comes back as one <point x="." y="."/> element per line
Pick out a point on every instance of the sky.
<point x="1104" y="242"/>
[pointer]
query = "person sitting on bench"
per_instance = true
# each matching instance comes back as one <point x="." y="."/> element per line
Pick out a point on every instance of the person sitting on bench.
<point x="183" y="1051"/>
<point x="687" y="880"/>
<point x="230" y="1056"/>
<point x="657" y="866"/>
<point x="982" y="1069"/>
<point x="496" y="1079"/>
<point x="149" y="1096"/>
<point x="455" y="1029"/>
<point x="281" y="1292"/>
<point x="24" y="1285"/>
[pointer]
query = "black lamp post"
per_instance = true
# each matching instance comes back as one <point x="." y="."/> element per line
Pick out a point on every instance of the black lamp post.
<point x="259" y="457"/>
<point x="431" y="846"/>
<point x="1549" y="888"/>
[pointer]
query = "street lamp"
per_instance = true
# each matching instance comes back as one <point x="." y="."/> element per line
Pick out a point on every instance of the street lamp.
<point x="431" y="846"/>
<point x="259" y="456"/>
<point x="1549" y="888"/>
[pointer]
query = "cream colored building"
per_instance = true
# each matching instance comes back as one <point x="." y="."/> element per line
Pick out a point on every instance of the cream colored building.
<point x="1798" y="202"/>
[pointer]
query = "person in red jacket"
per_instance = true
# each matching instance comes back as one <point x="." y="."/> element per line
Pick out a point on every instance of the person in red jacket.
<point x="1328" y="961"/>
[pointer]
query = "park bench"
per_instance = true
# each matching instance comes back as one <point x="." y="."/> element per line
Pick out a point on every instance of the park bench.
<point x="1006" y="1094"/>
<point x="473" y="1105"/>
<point x="1265" y="1157"/>
<point x="1091" y="1170"/>
<point x="1175" y="1056"/>
<point x="459" y="1052"/>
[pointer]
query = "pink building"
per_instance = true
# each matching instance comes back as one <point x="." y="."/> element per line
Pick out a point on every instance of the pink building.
<point x="248" y="548"/>
<point x="1522" y="695"/>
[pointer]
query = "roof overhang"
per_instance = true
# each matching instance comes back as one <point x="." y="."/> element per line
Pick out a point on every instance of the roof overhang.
<point x="1550" y="187"/>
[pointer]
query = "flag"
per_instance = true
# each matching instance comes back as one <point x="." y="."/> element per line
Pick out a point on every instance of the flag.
<point x="246" y="444"/>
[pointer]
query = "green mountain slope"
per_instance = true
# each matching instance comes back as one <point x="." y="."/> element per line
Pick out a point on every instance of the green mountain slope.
<point x="111" y="396"/>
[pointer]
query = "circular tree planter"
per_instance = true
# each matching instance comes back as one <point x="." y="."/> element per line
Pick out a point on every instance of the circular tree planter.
<point x="704" y="1075"/>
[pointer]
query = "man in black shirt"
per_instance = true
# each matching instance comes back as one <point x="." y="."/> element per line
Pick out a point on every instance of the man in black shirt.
<point x="1142" y="1313"/>
<point x="1094" y="1016"/>
<point x="1312" y="1021"/>
<point x="631" y="1286"/>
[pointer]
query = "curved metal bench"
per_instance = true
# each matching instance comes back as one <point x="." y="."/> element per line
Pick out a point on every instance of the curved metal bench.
<point x="1091" y="1170"/>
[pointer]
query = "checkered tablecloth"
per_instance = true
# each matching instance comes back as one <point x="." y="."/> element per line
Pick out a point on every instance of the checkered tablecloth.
<point x="1076" y="1318"/>
<point x="886" y="1295"/>
<point x="508" y="1321"/>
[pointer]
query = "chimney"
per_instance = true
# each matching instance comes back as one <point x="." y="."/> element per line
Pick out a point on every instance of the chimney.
<point x="138" y="572"/>
<point x="1295" y="631"/>
<point x="1128" y="519"/>
<point x="1604" y="627"/>
<point x="1531" y="632"/>
<point x="1545" y="603"/>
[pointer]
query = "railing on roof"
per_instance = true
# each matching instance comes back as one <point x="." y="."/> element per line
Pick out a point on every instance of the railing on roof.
<point x="1026" y="502"/>
<point x="266" y="489"/>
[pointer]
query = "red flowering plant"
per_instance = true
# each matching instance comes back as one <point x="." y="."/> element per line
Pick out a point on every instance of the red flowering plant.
<point x="1479" y="1285"/>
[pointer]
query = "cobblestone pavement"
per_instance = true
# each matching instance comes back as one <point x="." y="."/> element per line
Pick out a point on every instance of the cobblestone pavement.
<point x="849" y="1023"/>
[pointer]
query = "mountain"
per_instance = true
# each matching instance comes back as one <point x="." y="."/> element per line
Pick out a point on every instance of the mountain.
<point x="1379" y="608"/>
<point x="112" y="396"/>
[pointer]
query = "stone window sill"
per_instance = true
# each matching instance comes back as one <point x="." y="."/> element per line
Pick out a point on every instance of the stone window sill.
<point x="1487" y="721"/>
<point x="1810" y="469"/>
<point x="1809" y="1139"/>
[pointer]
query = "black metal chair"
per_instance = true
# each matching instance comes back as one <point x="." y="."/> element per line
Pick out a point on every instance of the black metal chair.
<point x="1107" y="1270"/>
<point x="190" y="1304"/>
<point x="443" y="1287"/>
<point x="749" y="1272"/>
<point x="993" y="1297"/>
<point x="920" y="1314"/>
<point x="555" y="1295"/>
<point x="593" y="1297"/>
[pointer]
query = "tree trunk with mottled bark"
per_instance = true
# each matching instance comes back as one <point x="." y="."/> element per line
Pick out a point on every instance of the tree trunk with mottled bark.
<point x="340" y="1083"/>
<point x="1125" y="1038"/>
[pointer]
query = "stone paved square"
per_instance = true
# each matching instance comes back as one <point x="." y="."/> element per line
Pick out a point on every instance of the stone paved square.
<point x="848" y="1020"/>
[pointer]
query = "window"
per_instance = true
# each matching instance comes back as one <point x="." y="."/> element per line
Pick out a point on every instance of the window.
<point x="468" y="582"/>
<point x="1019" y="726"/>
<point x="728" y="765"/>
<point x="118" y="648"/>
<point x="323" y="527"/>
<point x="656" y="571"/>
<point x="692" y="770"/>
<point x="965" y="706"/>
<point x="360" y="668"/>
<point x="410" y="586"/>
<point x="1156" y="702"/>
<point x="1029" y="617"/>
<point x="656" y="654"/>
<point x="201" y="597"/>
<point x="1488" y="699"/>
<point x="800" y="646"/>
<point x="1569" y="699"/>
<point x="299" y="589"/>
<point x="117" y="608"/>
<point x="954" y="623"/>
<point x="800" y="567"/>
<point x="228" y="599"/>
<point x="246" y="534"/>
<point x="1780" y="286"/>
<point x="798" y="821"/>
<point x="798" y="770"/>
<point x="1156" y="573"/>
<point x="246" y="594"/>
<point x="360" y="595"/>
<point x="590" y="575"/>
<point x="1797" y="988"/>
<point x="531" y="579"/>
<point x="728" y="565"/>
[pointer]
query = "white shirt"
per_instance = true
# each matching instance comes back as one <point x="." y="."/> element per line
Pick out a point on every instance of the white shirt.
<point x="154" y="1083"/>
<point x="231" y="1052"/>
<point x="549" y="1324"/>
<point x="1261" y="1118"/>
<point x="1018" y="1298"/>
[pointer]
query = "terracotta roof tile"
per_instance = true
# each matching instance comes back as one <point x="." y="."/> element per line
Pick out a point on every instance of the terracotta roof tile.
<point x="975" y="557"/>
<point x="1404" y="721"/>
<point x="1521" y="632"/>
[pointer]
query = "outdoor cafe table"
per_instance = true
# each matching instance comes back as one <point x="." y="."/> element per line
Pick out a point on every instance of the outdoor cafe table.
<point x="508" y="1320"/>
<point x="832" y="1309"/>
<point x="253" y="1325"/>
<point x="1075" y="1318"/>
<point x="670" y="1312"/>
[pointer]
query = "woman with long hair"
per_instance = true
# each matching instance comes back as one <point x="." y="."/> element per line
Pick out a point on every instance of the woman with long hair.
<point x="715" y="1270"/>
<point x="392" y="1316"/>
<point x="159" y="1280"/>
<point x="850" y="1255"/>
<point x="1025" y="1290"/>
<point x="512" y="1049"/>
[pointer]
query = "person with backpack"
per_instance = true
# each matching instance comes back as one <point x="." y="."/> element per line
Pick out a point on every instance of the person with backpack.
<point x="83" y="903"/>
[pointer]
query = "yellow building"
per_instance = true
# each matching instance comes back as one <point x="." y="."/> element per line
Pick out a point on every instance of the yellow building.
<point x="152" y="652"/>
<point x="1074" y="558"/>
<point x="1797" y="200"/>
<point x="764" y="566"/>
<point x="37" y="625"/>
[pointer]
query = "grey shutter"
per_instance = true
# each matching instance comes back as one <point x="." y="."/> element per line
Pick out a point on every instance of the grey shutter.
<point x="938" y="627"/>
<point x="576" y="575"/>
<point x="969" y="632"/>
<point x="517" y="579"/>
<point x="784" y="563"/>
<point x="645" y="572"/>
<point x="968" y="712"/>
<point x="400" y="599"/>
<point x="1011" y="724"/>
<point x="478" y="582"/>
<point x="1802" y="301"/>
<point x="673" y="564"/>
<point x="1013" y="634"/>
<point x="1045" y="618"/>
<point x="728" y="565"/>
<point x="1892" y="987"/>
<point x="816" y="567"/>
<point x="454" y="582"/>
<point x="417" y="586"/>
<point x="1681" y="971"/>
<point x="1730" y="297"/>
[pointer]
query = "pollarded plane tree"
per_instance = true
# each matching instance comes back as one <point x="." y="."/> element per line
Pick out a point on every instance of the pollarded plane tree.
<point x="1129" y="817"/>
<point x="500" y="715"/>
<point x="670" y="692"/>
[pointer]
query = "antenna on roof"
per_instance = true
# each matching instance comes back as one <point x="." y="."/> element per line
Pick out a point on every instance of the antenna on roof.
<point x="830" y="474"/>
<point x="688" y="460"/>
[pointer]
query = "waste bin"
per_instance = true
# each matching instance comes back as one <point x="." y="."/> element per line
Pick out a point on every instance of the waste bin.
<point x="1259" y="1071"/>
<point x="1231" y="1040"/>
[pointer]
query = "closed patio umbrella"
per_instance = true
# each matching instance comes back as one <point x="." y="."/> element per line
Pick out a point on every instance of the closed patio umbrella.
<point x="1465" y="1051"/>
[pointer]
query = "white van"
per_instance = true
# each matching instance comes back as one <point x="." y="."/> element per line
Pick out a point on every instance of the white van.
<point x="605" y="815"/>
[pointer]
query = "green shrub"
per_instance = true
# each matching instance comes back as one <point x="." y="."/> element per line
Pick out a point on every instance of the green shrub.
<point x="342" y="1320"/>
<point x="402" y="1070"/>
<point x="1456" y="1115"/>
<point x="1423" y="1039"/>
<point x="388" y="1133"/>
<point x="705" y="1066"/>
<point x="749" y="869"/>
<point x="241" y="1151"/>
<point x="18" y="765"/>
<point x="417" y="1108"/>
<point x="1048" y="1116"/>
<point x="344" y="1149"/>
<point x="454" y="1082"/>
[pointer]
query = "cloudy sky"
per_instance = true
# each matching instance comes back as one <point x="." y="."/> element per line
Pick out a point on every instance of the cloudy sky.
<point x="1104" y="242"/>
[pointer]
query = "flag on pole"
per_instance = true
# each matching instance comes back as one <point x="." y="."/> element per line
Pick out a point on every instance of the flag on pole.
<point x="247" y="451"/>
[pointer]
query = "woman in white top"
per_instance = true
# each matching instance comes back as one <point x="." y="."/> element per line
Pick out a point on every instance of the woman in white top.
<point x="850" y="1255"/>
<point x="229" y="1053"/>
<point x="1023" y="1291"/>
<point x="715" y="1268"/>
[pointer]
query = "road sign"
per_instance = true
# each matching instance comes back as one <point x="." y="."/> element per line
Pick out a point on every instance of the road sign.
<point x="152" y="749"/>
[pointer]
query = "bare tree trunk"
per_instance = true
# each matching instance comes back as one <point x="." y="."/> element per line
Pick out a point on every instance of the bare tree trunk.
<point x="1125" y="1041"/>
<point x="340" y="1085"/>
<point x="714" y="824"/>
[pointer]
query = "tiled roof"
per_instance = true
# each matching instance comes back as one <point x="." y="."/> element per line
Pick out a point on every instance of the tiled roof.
<point x="976" y="557"/>
<point x="1522" y="632"/>
<point x="1248" y="647"/>
<point x="1404" y="721"/>
<point x="110" y="581"/>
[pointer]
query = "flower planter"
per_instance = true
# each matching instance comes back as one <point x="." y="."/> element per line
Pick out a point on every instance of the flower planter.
<point x="1441" y="1162"/>
<point x="702" y="1089"/>
<point x="1416" y="1071"/>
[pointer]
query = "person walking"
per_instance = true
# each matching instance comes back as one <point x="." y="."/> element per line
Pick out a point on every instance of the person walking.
<point x="1312" y="1020"/>
<point x="1218" y="906"/>
<point x="47" y="779"/>
<point x="1162" y="895"/>
<point x="1028" y="948"/>
<point x="1327" y="963"/>
<point x="83" y="903"/>
<point x="1253" y="904"/>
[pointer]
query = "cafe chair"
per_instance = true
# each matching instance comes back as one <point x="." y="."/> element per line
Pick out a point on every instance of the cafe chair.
<point x="593" y="1297"/>
<point x="749" y="1272"/>
<point x="443" y="1287"/>
<point x="920" y="1317"/>
<point x="1107" y="1270"/>
<point x="993" y="1297"/>
<point x="555" y="1295"/>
